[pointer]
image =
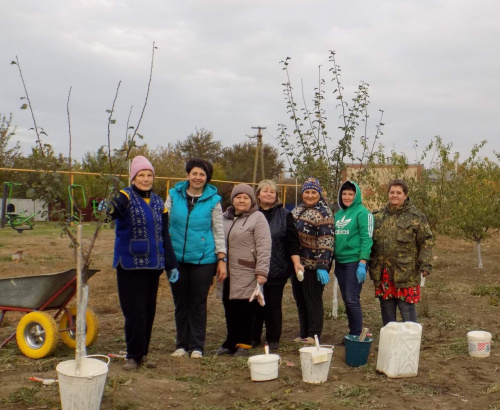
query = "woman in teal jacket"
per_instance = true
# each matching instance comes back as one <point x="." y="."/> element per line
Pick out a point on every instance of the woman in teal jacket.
<point x="198" y="240"/>
<point x="353" y="243"/>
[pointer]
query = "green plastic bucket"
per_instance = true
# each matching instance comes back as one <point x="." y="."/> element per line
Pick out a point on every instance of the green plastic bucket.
<point x="356" y="352"/>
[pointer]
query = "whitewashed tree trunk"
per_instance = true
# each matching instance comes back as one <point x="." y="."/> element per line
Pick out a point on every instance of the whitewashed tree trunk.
<point x="335" y="299"/>
<point x="82" y="294"/>
<point x="479" y="256"/>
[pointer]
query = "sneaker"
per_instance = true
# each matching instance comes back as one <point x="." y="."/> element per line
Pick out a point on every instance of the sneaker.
<point x="131" y="364"/>
<point x="196" y="354"/>
<point x="274" y="346"/>
<point x="241" y="352"/>
<point x="179" y="353"/>
<point x="221" y="351"/>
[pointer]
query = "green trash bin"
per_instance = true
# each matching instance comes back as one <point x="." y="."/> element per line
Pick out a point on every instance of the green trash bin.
<point x="356" y="352"/>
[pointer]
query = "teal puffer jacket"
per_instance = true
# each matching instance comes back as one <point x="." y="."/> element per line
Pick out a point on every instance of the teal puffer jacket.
<point x="191" y="232"/>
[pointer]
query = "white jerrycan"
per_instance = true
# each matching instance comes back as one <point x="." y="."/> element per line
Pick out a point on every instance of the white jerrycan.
<point x="399" y="349"/>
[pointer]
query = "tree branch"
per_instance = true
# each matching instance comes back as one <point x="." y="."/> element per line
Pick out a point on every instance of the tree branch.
<point x="39" y="140"/>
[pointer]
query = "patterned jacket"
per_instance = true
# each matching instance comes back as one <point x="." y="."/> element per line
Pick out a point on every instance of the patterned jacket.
<point x="316" y="233"/>
<point x="402" y="243"/>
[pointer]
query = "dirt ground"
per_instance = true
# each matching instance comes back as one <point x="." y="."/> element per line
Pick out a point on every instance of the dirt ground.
<point x="448" y="378"/>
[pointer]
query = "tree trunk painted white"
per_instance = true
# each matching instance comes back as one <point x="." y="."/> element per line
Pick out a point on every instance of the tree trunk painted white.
<point x="335" y="300"/>
<point x="479" y="257"/>
<point x="81" y="305"/>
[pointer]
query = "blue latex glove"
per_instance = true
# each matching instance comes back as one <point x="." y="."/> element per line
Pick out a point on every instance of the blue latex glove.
<point x="361" y="272"/>
<point x="323" y="276"/>
<point x="173" y="275"/>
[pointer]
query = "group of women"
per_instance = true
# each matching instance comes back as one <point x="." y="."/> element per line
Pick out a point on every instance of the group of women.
<point x="252" y="249"/>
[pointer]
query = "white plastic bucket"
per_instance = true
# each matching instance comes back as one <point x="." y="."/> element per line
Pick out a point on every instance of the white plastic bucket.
<point x="479" y="343"/>
<point x="315" y="372"/>
<point x="83" y="392"/>
<point x="399" y="349"/>
<point x="264" y="367"/>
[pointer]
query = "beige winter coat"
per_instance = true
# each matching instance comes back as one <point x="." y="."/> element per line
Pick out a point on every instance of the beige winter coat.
<point x="248" y="243"/>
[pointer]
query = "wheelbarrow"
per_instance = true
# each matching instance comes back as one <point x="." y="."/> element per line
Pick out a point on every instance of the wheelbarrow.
<point x="37" y="333"/>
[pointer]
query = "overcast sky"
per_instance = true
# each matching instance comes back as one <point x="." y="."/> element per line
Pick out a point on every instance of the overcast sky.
<point x="433" y="66"/>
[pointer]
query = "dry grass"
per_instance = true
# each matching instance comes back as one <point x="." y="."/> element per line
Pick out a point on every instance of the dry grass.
<point x="448" y="378"/>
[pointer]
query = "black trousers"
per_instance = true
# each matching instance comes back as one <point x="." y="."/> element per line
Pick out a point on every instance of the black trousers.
<point x="190" y="294"/>
<point x="308" y="296"/>
<point x="271" y="314"/>
<point x="240" y="319"/>
<point x="137" y="290"/>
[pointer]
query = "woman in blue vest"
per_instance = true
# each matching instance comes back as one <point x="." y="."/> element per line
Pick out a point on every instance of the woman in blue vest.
<point x="198" y="239"/>
<point x="142" y="250"/>
<point x="285" y="260"/>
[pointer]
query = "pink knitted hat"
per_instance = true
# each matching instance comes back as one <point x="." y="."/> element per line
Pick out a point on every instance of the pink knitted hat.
<point x="140" y="163"/>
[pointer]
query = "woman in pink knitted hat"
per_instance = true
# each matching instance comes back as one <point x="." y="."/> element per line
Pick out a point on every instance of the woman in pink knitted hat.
<point x="142" y="251"/>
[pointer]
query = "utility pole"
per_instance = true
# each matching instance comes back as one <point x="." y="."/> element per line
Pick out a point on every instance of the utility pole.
<point x="259" y="154"/>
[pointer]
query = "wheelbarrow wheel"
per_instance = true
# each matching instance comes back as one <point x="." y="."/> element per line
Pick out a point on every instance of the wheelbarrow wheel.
<point x="37" y="335"/>
<point x="68" y="336"/>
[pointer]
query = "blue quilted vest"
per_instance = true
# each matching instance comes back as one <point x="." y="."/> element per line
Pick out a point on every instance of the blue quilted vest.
<point x="139" y="239"/>
<point x="191" y="232"/>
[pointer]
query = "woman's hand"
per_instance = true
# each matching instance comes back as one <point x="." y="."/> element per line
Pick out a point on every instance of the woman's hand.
<point x="323" y="276"/>
<point x="173" y="275"/>
<point x="424" y="273"/>
<point x="361" y="272"/>
<point x="298" y="267"/>
<point x="221" y="271"/>
<point x="261" y="279"/>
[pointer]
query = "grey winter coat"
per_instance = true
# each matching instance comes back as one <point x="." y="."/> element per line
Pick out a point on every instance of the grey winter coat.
<point x="248" y="244"/>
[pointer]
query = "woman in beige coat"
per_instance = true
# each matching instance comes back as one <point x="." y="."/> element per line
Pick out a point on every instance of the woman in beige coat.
<point x="248" y="243"/>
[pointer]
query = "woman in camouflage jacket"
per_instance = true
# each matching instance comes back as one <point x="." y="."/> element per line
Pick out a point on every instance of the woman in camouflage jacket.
<point x="401" y="254"/>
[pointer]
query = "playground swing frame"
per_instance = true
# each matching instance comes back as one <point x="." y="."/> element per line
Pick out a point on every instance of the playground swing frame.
<point x="73" y="204"/>
<point x="19" y="221"/>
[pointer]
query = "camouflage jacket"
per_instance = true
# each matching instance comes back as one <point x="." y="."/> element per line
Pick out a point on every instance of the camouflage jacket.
<point x="402" y="243"/>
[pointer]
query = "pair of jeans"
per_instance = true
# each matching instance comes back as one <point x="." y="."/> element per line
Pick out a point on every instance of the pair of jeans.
<point x="388" y="310"/>
<point x="190" y="294"/>
<point x="351" y="291"/>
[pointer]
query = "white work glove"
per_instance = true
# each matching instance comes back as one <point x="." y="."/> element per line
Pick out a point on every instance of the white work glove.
<point x="257" y="293"/>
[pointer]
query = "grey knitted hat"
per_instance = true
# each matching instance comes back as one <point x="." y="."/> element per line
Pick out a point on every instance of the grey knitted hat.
<point x="243" y="189"/>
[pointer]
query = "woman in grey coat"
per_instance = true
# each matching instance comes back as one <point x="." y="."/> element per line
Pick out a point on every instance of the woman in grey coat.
<point x="248" y="244"/>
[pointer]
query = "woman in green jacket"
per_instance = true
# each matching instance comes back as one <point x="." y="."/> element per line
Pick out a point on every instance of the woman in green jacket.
<point x="353" y="243"/>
